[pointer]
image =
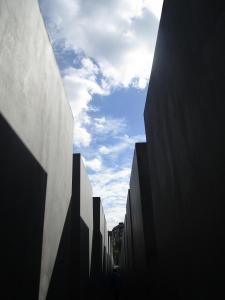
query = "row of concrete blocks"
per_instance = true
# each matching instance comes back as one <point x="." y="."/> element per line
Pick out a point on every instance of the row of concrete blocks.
<point x="178" y="242"/>
<point x="48" y="230"/>
<point x="84" y="257"/>
<point x="137" y="251"/>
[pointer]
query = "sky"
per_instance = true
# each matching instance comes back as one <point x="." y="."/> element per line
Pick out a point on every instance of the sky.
<point x="104" y="50"/>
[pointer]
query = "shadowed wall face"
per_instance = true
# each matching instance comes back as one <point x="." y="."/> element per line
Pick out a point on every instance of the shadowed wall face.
<point x="140" y="261"/>
<point x="141" y="207"/>
<point x="82" y="228"/>
<point x="97" y="241"/>
<point x="184" y="119"/>
<point x="60" y="285"/>
<point x="86" y="205"/>
<point x="71" y="273"/>
<point x="33" y="101"/>
<point x="129" y="236"/>
<point x="22" y="205"/>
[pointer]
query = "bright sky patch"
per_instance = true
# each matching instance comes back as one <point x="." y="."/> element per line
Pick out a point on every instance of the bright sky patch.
<point x="104" y="50"/>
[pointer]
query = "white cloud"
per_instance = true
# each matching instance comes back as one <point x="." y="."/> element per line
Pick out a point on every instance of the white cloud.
<point x="93" y="164"/>
<point x="112" y="185"/>
<point x="81" y="137"/>
<point x="155" y="6"/>
<point x="119" y="34"/>
<point x="127" y="142"/>
<point x="113" y="149"/>
<point x="80" y="85"/>
<point x="106" y="125"/>
<point x="113" y="42"/>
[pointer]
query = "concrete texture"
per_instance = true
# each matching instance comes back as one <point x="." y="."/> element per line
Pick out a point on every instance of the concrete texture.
<point x="126" y="243"/>
<point x="105" y="251"/>
<point x="76" y="274"/>
<point x="102" y="232"/>
<point x="97" y="242"/>
<point x="102" y="254"/>
<point x="184" y="119"/>
<point x="33" y="102"/>
<point x="60" y="286"/>
<point x="129" y="236"/>
<point x="82" y="228"/>
<point x="138" y="255"/>
<point x="122" y="259"/>
<point x="22" y="205"/>
<point x="142" y="213"/>
<point x="110" y="252"/>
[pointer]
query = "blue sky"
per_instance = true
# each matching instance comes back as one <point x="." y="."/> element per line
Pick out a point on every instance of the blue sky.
<point x="104" y="50"/>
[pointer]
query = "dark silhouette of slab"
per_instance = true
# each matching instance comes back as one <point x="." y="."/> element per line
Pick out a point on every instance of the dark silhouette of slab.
<point x="97" y="253"/>
<point x="22" y="206"/>
<point x="82" y="227"/>
<point x="70" y="275"/>
<point x="130" y="241"/>
<point x="140" y="201"/>
<point x="184" y="120"/>
<point x="60" y="285"/>
<point x="142" y="213"/>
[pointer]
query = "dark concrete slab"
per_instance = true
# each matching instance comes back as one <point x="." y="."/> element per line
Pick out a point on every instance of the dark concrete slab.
<point x="184" y="120"/>
<point x="97" y="244"/>
<point x="82" y="228"/>
<point x="61" y="281"/>
<point x="22" y="206"/>
<point x="142" y="210"/>
<point x="140" y="201"/>
<point x="129" y="236"/>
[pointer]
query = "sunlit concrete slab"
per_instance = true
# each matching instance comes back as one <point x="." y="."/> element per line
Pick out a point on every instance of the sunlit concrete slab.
<point x="34" y="105"/>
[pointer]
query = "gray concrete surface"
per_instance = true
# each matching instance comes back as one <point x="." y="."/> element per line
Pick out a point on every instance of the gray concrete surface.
<point x="96" y="261"/>
<point x="102" y="231"/>
<point x="184" y="121"/>
<point x="33" y="101"/>
<point x="23" y="191"/>
<point x="102" y="251"/>
<point x="86" y="204"/>
<point x="142" y="210"/>
<point x="82" y="228"/>
<point x="129" y="236"/>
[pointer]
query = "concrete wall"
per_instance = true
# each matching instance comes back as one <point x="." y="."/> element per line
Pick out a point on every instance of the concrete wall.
<point x="102" y="232"/>
<point x="23" y="191"/>
<point x="142" y="213"/>
<point x="129" y="234"/>
<point x="33" y="102"/>
<point x="110" y="252"/>
<point x="82" y="228"/>
<point x="138" y="255"/>
<point x="126" y="244"/>
<point x="82" y="260"/>
<point x="86" y="204"/>
<point x="101" y="244"/>
<point x="97" y="242"/>
<point x="105" y="253"/>
<point x="122" y="259"/>
<point x="184" y="119"/>
<point x="61" y="284"/>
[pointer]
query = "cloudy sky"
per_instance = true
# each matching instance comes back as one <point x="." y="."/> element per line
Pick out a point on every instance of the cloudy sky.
<point x="104" y="49"/>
